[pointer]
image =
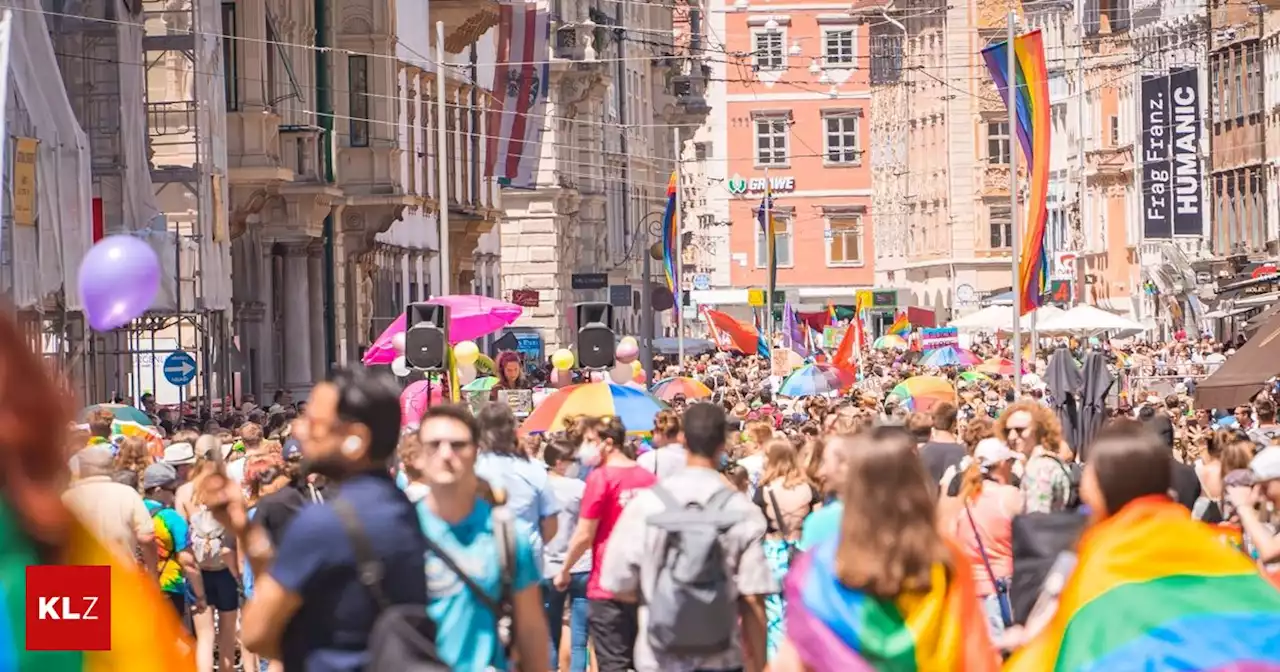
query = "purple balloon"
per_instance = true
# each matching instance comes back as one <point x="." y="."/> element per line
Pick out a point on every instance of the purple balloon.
<point x="119" y="278"/>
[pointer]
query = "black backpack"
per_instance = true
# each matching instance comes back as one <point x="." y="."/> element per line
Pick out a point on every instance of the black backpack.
<point x="403" y="638"/>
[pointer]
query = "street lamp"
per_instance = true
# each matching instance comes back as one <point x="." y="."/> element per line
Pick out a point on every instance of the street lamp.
<point x="650" y="227"/>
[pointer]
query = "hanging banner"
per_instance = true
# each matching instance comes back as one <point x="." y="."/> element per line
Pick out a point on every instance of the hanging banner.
<point x="1186" y="132"/>
<point x="24" y="181"/>
<point x="1157" y="168"/>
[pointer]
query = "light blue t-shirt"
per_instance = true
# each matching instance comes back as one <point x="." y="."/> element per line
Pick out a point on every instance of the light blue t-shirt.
<point x="528" y="491"/>
<point x="821" y="525"/>
<point x="468" y="638"/>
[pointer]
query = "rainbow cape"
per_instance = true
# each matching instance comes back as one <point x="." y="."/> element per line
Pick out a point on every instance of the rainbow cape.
<point x="1156" y="590"/>
<point x="142" y="620"/>
<point x="834" y="627"/>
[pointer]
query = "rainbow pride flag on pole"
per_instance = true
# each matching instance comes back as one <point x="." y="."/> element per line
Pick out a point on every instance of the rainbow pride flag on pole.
<point x="1033" y="128"/>
<point x="841" y="629"/>
<point x="901" y="325"/>
<point x="669" y="234"/>
<point x="1156" y="590"/>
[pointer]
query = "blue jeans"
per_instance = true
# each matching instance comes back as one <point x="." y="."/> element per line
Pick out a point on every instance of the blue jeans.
<point x="553" y="602"/>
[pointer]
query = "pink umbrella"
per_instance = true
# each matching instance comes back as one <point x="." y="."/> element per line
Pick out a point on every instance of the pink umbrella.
<point x="470" y="317"/>
<point x="414" y="401"/>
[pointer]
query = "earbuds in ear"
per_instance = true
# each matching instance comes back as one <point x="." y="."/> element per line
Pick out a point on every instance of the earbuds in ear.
<point x="351" y="445"/>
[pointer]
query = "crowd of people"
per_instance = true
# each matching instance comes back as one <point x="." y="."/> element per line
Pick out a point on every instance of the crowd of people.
<point x="746" y="531"/>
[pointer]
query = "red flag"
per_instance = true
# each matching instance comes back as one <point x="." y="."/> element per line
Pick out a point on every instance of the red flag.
<point x="843" y="359"/>
<point x="730" y="334"/>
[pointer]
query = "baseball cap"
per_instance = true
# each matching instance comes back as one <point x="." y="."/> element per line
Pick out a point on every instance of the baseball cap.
<point x="993" y="451"/>
<point x="179" y="454"/>
<point x="292" y="449"/>
<point x="158" y="475"/>
<point x="1266" y="464"/>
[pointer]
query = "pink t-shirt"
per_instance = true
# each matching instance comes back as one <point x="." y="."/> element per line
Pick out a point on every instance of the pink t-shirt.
<point x="993" y="511"/>
<point x="607" y="493"/>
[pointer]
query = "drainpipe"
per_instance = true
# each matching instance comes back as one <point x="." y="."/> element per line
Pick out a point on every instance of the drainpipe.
<point x="324" y="114"/>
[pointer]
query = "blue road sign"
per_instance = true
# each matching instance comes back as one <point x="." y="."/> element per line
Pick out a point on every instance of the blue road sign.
<point x="179" y="368"/>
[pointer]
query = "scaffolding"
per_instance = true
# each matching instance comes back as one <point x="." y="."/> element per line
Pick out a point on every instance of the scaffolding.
<point x="121" y="58"/>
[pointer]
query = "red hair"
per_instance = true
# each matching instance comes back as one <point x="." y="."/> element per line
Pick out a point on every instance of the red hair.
<point x="35" y="410"/>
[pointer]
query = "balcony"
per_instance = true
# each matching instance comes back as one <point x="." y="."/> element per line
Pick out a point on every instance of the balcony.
<point x="464" y="21"/>
<point x="568" y="46"/>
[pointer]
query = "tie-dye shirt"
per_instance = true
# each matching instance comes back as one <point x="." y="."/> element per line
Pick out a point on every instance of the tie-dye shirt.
<point x="172" y="538"/>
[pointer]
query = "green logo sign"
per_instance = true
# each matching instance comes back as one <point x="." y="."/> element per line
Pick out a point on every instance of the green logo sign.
<point x="737" y="185"/>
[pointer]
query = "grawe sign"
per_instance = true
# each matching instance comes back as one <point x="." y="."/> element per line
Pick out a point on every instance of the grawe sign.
<point x="739" y="185"/>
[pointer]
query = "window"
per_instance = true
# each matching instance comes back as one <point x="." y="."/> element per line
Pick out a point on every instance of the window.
<point x="771" y="141"/>
<point x="1237" y="90"/>
<point x="782" y="239"/>
<point x="844" y="241"/>
<point x="838" y="46"/>
<point x="841" y="138"/>
<point x="997" y="142"/>
<point x="271" y="85"/>
<point x="230" y="57"/>
<point x="1253" y="73"/>
<point x="701" y="151"/>
<point x="358" y="100"/>
<point x="1215" y="95"/>
<point x="1001" y="223"/>
<point x="768" y="50"/>
<point x="1115" y="131"/>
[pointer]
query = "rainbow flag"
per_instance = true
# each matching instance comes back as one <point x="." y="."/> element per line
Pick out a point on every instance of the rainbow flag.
<point x="1156" y="590"/>
<point x="901" y="325"/>
<point x="831" y="314"/>
<point x="1031" y="106"/>
<point x="834" y="627"/>
<point x="670" y="234"/>
<point x="146" y="635"/>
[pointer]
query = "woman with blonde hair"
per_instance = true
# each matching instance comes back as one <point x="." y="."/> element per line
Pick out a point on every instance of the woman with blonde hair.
<point x="215" y="553"/>
<point x="786" y="497"/>
<point x="132" y="457"/>
<point x="889" y="591"/>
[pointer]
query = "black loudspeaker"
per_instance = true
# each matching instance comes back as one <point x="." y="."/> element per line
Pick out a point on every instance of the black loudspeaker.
<point x="595" y="335"/>
<point x="426" y="336"/>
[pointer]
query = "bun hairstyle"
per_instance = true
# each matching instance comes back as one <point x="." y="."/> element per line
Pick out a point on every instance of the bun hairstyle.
<point x="666" y="424"/>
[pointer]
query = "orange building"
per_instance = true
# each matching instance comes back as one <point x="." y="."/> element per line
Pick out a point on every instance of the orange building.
<point x="795" y="101"/>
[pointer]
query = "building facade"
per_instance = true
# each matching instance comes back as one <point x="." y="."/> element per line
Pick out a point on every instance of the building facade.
<point x="797" y="94"/>
<point x="333" y="238"/>
<point x="607" y="152"/>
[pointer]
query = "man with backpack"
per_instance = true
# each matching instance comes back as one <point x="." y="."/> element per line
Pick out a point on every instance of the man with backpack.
<point x="482" y="580"/>
<point x="689" y="549"/>
<point x="344" y="590"/>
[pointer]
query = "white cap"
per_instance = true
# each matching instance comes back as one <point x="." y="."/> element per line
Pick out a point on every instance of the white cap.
<point x="993" y="451"/>
<point x="1266" y="464"/>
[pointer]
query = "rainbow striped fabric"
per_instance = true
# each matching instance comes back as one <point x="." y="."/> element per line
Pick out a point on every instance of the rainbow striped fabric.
<point x="901" y="325"/>
<point x="1033" y="130"/>
<point x="1156" y="590"/>
<point x="146" y="635"/>
<point x="669" y="234"/>
<point x="834" y="627"/>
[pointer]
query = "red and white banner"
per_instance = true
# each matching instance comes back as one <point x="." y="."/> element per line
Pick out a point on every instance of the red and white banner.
<point x="518" y="115"/>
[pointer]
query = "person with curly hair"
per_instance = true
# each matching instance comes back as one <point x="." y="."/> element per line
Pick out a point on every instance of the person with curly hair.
<point x="1031" y="429"/>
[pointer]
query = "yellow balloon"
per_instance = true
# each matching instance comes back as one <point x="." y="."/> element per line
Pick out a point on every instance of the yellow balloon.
<point x="466" y="353"/>
<point x="562" y="359"/>
<point x="636" y="367"/>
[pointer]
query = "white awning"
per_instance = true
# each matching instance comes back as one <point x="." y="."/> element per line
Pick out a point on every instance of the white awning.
<point x="1086" y="319"/>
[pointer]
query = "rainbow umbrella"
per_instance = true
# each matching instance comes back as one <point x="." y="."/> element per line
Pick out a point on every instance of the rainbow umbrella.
<point x="950" y="356"/>
<point x="890" y="342"/>
<point x="921" y="393"/>
<point x="814" y="379"/>
<point x="120" y="412"/>
<point x="148" y="433"/>
<point x="974" y="377"/>
<point x="634" y="407"/>
<point x="670" y="388"/>
<point x="1001" y="366"/>
<point x="481" y="384"/>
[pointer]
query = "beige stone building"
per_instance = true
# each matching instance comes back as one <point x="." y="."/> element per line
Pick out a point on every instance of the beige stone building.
<point x="335" y="233"/>
<point x="601" y="177"/>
